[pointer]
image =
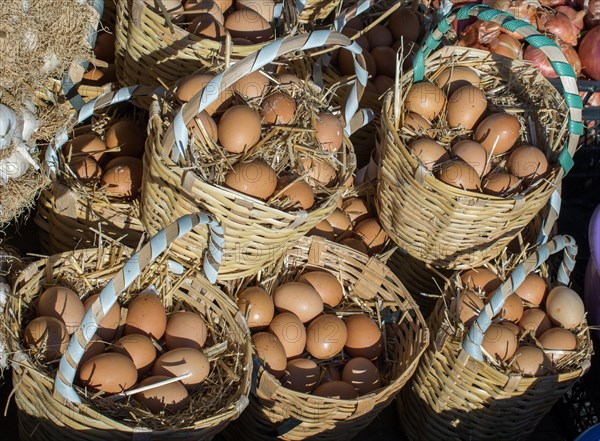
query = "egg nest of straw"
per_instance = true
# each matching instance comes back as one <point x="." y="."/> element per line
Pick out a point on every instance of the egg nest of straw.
<point x="283" y="147"/>
<point x="225" y="350"/>
<point x="509" y="87"/>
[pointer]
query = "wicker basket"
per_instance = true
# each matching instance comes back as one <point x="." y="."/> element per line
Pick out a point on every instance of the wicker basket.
<point x="256" y="233"/>
<point x="50" y="407"/>
<point x="278" y="412"/>
<point x="450" y="227"/>
<point x="455" y="395"/>
<point x="71" y="215"/>
<point x="310" y="11"/>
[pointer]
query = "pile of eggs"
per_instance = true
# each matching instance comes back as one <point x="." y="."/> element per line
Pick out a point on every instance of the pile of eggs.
<point x="123" y="354"/>
<point x="352" y="224"/>
<point x="104" y="50"/>
<point x="380" y="47"/>
<point x="236" y="127"/>
<point x="535" y="329"/>
<point x="248" y="22"/>
<point x="114" y="162"/>
<point x="484" y="155"/>
<point x="307" y="349"/>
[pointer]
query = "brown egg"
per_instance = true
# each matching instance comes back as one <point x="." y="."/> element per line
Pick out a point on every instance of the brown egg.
<point x="379" y="35"/>
<point x="356" y="209"/>
<point x="425" y="99"/>
<point x="139" y="348"/>
<point x="499" y="342"/>
<point x="198" y="7"/>
<point x="469" y="307"/>
<point x="47" y="337"/>
<point x="266" y="8"/>
<point x="346" y="63"/>
<point x="172" y="397"/>
<point x="85" y="145"/>
<point x="513" y="327"/>
<point x="299" y="192"/>
<point x="250" y="25"/>
<point x="185" y="329"/>
<point x="340" y="221"/>
<point x="564" y="307"/>
<point x="207" y="26"/>
<point x="558" y="339"/>
<point x="326" y="336"/>
<point x="105" y="47"/>
<point x="252" y="85"/>
<point x="362" y="374"/>
<point x="499" y="183"/>
<point x="339" y="390"/>
<point x="427" y="151"/>
<point x="355" y="244"/>
<point x="404" y="23"/>
<point x="330" y="131"/>
<point x="196" y="83"/>
<point x="364" y="337"/>
<point x="498" y="133"/>
<point x="319" y="170"/>
<point x="459" y="174"/>
<point x="270" y="350"/>
<point x="180" y="361"/>
<point x="224" y="5"/>
<point x="146" y="315"/>
<point x="372" y="234"/>
<point x="93" y="348"/>
<point x="107" y="331"/>
<point x="465" y="107"/>
<point x="298" y="298"/>
<point x="362" y="40"/>
<point x="527" y="162"/>
<point x="278" y="108"/>
<point x="416" y="122"/>
<point x="127" y="136"/>
<point x="322" y="229"/>
<point x="62" y="304"/>
<point x="241" y="42"/>
<point x="86" y="169"/>
<point x="254" y="178"/>
<point x="473" y="154"/>
<point x="455" y="77"/>
<point x="481" y="279"/>
<point x="260" y="304"/>
<point x="326" y="284"/>
<point x="173" y="7"/>
<point x="535" y="321"/>
<point x="512" y="310"/>
<point x="385" y="60"/>
<point x="533" y="289"/>
<point x="382" y="83"/>
<point x="301" y="375"/>
<point x="291" y="333"/>
<point x="207" y="123"/>
<point x="109" y="372"/>
<point x="239" y="129"/>
<point x="506" y="46"/>
<point x="531" y="361"/>
<point x="122" y="177"/>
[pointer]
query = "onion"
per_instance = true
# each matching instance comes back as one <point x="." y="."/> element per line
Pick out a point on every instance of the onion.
<point x="589" y="52"/>
<point x="576" y="17"/>
<point x="553" y="3"/>
<point x="539" y="60"/>
<point x="572" y="56"/>
<point x="481" y="32"/>
<point x="507" y="46"/>
<point x="592" y="16"/>
<point x="559" y="25"/>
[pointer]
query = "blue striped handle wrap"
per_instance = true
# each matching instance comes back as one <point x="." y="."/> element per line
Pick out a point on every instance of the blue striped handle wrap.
<point x="473" y="340"/>
<point x="533" y="37"/>
<point x="176" y="138"/>
<point x="132" y="269"/>
<point x="103" y="101"/>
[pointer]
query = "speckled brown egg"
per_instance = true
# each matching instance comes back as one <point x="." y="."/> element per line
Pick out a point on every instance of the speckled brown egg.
<point x="110" y="372"/>
<point x="468" y="307"/>
<point x="297" y="191"/>
<point x="498" y="133"/>
<point x="270" y="351"/>
<point x="564" y="307"/>
<point x="533" y="289"/>
<point x="499" y="342"/>
<point x="172" y="397"/>
<point x="207" y="123"/>
<point x="364" y="337"/>
<point x="527" y="162"/>
<point x="455" y="77"/>
<point x="62" y="304"/>
<point x="339" y="390"/>
<point x="465" y="107"/>
<point x="500" y="183"/>
<point x="319" y="170"/>
<point x="185" y="329"/>
<point x="250" y="25"/>
<point x="298" y="298"/>
<point x="330" y="131"/>
<point x="531" y="361"/>
<point x="47" y="337"/>
<point x="425" y="99"/>
<point x="535" y="321"/>
<point x="86" y="145"/>
<point x="512" y="310"/>
<point x="481" y="279"/>
<point x="146" y="315"/>
<point x="326" y="284"/>
<point x="180" y="361"/>
<point x="139" y="348"/>
<point x="356" y="209"/>
<point x="362" y="374"/>
<point x="459" y="174"/>
<point x="301" y="375"/>
<point x="322" y="229"/>
<point x="239" y="129"/>
<point x="122" y="177"/>
<point x="290" y="331"/>
<point x="340" y="221"/>
<point x="127" y="136"/>
<point x="427" y="151"/>
<point x="379" y="35"/>
<point x="558" y="339"/>
<point x="86" y="169"/>
<point x="260" y="305"/>
<point x="326" y="336"/>
<point x="254" y="179"/>
<point x="252" y="85"/>
<point x="372" y="234"/>
<point x="278" y="108"/>
<point x="109" y="325"/>
<point x="385" y="60"/>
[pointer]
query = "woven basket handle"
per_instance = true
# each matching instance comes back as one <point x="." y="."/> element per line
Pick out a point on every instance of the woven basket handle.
<point x="473" y="340"/>
<point x="105" y="100"/>
<point x="534" y="38"/>
<point x="63" y="384"/>
<point x="176" y="137"/>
